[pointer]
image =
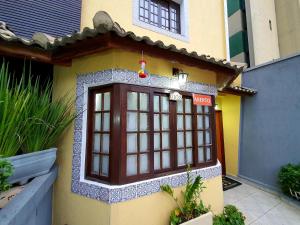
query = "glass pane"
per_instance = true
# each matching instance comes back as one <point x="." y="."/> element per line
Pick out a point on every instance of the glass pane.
<point x="144" y="101"/>
<point x="156" y="122"/>
<point x="131" y="143"/>
<point x="206" y="109"/>
<point x="179" y="122"/>
<point x="107" y="101"/>
<point x="97" y="121"/>
<point x="143" y="142"/>
<point x="199" y="109"/>
<point x="200" y="137"/>
<point x="131" y="121"/>
<point x="106" y="121"/>
<point x="166" y="159"/>
<point x="207" y="137"/>
<point x="180" y="158"/>
<point x="156" y="103"/>
<point x="165" y="140"/>
<point x="132" y="100"/>
<point x="156" y="160"/>
<point x="105" y="165"/>
<point x="96" y="163"/>
<point x="180" y="141"/>
<point x="131" y="165"/>
<point x="156" y="141"/>
<point x="189" y="156"/>
<point x="144" y="168"/>
<point x="165" y="122"/>
<point x="188" y="139"/>
<point x="143" y="121"/>
<point x="200" y="122"/>
<point x="97" y="142"/>
<point x="200" y="155"/>
<point x="98" y="102"/>
<point x="207" y="124"/>
<point x="188" y="122"/>
<point x="179" y="107"/>
<point x="188" y="105"/>
<point x="164" y="104"/>
<point x="105" y="143"/>
<point x="208" y="153"/>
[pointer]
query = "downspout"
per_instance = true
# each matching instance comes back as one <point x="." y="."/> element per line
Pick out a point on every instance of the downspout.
<point x="226" y="31"/>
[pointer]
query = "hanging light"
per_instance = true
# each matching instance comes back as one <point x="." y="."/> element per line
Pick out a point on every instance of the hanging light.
<point x="181" y="76"/>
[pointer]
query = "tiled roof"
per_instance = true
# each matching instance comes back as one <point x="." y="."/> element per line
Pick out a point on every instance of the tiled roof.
<point x="240" y="90"/>
<point x="103" y="24"/>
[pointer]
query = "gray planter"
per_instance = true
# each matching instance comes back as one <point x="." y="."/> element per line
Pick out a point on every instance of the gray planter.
<point x="31" y="165"/>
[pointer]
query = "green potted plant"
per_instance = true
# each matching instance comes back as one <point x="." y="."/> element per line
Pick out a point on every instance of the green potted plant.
<point x="230" y="216"/>
<point x="190" y="210"/>
<point x="30" y="124"/>
<point x="289" y="180"/>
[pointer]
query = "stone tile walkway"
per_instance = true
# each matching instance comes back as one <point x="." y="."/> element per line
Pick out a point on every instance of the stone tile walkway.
<point x="261" y="207"/>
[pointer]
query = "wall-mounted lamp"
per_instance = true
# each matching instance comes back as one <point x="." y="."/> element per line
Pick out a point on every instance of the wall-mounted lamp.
<point x="181" y="76"/>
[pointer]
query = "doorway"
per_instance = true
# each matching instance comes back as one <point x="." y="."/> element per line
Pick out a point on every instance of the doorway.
<point x="220" y="140"/>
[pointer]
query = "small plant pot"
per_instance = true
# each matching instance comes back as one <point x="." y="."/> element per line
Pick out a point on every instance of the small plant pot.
<point x="205" y="219"/>
<point x="31" y="165"/>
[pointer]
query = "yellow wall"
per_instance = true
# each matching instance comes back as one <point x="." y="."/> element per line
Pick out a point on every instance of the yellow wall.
<point x="72" y="209"/>
<point x="230" y="106"/>
<point x="206" y="23"/>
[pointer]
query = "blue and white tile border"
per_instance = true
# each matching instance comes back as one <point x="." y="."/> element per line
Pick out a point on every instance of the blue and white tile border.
<point x="120" y="193"/>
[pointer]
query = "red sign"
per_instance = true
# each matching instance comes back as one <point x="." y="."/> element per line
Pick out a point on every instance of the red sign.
<point x="202" y="100"/>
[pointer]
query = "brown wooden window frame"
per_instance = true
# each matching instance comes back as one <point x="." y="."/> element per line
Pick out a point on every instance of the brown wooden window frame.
<point x="164" y="14"/>
<point x="118" y="134"/>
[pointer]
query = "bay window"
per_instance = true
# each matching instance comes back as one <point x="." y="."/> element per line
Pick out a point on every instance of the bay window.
<point x="136" y="133"/>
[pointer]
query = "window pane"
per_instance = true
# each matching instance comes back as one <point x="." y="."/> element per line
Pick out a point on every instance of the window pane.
<point x="96" y="163"/>
<point x="180" y="141"/>
<point x="188" y="122"/>
<point x="200" y="122"/>
<point x="131" y="165"/>
<point x="143" y="121"/>
<point x="166" y="159"/>
<point x="106" y="121"/>
<point x="144" y="102"/>
<point x="188" y="139"/>
<point x="105" y="143"/>
<point x="164" y="104"/>
<point x="179" y="106"/>
<point x="188" y="105"/>
<point x="131" y="143"/>
<point x="156" y="122"/>
<point x="179" y="122"/>
<point x="207" y="137"/>
<point x="200" y="137"/>
<point x="156" y="160"/>
<point x="132" y="100"/>
<point x="107" y="101"/>
<point x="206" y="109"/>
<point x="156" y="141"/>
<point x="144" y="142"/>
<point x="105" y="165"/>
<point x="207" y="124"/>
<point x="97" y="122"/>
<point x="180" y="158"/>
<point x="199" y="109"/>
<point x="189" y="156"/>
<point x="131" y="121"/>
<point x="144" y="168"/>
<point x="156" y="103"/>
<point x="200" y="155"/>
<point x="208" y="153"/>
<point x="165" y="140"/>
<point x="98" y="102"/>
<point x="165" y="122"/>
<point x="96" y="142"/>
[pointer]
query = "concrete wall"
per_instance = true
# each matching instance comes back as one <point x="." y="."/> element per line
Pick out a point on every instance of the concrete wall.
<point x="270" y="121"/>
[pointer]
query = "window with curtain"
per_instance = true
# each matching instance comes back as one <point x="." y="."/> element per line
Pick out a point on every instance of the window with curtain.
<point x="136" y="133"/>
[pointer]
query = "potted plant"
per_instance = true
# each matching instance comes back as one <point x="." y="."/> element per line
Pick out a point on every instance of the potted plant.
<point x="30" y="124"/>
<point x="230" y="216"/>
<point x="190" y="210"/>
<point x="289" y="180"/>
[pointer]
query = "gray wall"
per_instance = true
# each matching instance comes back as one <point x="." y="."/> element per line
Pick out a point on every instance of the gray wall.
<point x="270" y="121"/>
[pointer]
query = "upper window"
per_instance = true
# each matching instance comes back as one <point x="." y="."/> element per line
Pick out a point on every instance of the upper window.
<point x="160" y="13"/>
<point x="135" y="133"/>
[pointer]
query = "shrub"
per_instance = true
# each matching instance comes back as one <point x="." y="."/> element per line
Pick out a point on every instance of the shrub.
<point x="191" y="205"/>
<point x="230" y="216"/>
<point x="289" y="177"/>
<point x="6" y="170"/>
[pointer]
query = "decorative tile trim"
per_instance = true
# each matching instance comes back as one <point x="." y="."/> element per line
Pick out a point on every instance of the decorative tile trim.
<point x="119" y="193"/>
